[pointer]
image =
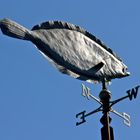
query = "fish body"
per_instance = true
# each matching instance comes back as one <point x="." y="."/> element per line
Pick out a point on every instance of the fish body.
<point x="72" y="50"/>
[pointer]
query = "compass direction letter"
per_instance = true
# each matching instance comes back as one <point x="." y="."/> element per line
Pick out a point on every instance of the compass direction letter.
<point x="86" y="91"/>
<point x="126" y="119"/>
<point x="82" y="117"/>
<point x="123" y="115"/>
<point x="133" y="92"/>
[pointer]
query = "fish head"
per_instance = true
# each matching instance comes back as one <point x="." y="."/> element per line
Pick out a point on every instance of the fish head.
<point x="121" y="70"/>
<point x="115" y="68"/>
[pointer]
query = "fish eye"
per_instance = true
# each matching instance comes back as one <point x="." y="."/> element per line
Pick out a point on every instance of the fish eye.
<point x="124" y="69"/>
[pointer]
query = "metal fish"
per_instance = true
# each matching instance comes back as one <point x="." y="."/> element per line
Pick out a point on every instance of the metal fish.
<point x="73" y="50"/>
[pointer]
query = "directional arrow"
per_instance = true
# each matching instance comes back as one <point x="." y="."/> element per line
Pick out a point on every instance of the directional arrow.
<point x="86" y="93"/>
<point x="125" y="116"/>
<point x="82" y="115"/>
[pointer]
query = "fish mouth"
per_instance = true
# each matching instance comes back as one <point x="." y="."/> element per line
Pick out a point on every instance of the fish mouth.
<point x="127" y="74"/>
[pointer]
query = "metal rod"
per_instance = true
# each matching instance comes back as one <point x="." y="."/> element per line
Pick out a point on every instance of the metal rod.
<point x="104" y="84"/>
<point x="106" y="130"/>
<point x="107" y="125"/>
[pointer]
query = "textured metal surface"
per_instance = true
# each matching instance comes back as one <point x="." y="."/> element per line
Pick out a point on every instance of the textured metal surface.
<point x="71" y="49"/>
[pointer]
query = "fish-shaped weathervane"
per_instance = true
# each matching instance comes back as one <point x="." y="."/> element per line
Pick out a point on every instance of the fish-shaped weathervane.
<point x="73" y="50"/>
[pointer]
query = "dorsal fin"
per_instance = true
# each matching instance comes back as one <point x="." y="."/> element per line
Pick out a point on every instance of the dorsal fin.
<point x="64" y="25"/>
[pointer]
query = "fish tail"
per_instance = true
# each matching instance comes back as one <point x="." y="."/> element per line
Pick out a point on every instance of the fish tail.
<point x="13" y="29"/>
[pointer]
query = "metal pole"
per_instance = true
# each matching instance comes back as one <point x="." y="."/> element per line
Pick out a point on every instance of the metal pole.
<point x="106" y="130"/>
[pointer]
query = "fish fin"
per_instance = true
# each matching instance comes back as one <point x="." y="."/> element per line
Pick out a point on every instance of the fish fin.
<point x="59" y="67"/>
<point x="97" y="67"/>
<point x="94" y="69"/>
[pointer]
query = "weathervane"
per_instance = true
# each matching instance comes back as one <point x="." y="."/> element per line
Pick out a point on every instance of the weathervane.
<point x="78" y="53"/>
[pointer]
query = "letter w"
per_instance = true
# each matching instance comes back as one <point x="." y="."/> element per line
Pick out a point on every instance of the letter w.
<point x="133" y="92"/>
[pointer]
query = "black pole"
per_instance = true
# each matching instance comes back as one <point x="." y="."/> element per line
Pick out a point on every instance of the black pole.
<point x="106" y="130"/>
